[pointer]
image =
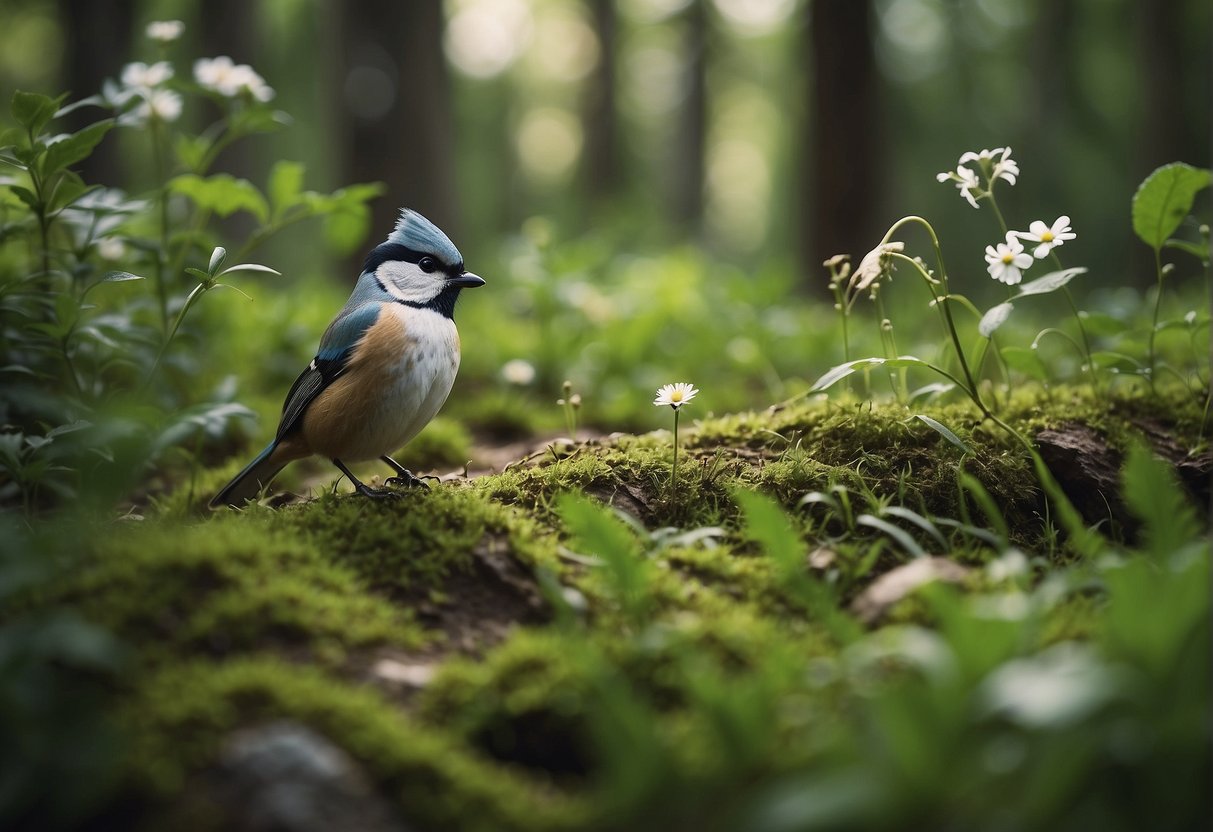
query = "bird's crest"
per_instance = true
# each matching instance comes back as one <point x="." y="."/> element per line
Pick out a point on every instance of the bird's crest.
<point x="416" y="232"/>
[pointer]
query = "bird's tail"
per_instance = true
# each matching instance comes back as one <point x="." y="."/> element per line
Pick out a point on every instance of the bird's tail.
<point x="249" y="482"/>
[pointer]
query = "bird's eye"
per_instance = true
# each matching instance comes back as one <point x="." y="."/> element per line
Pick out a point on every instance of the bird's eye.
<point x="427" y="264"/>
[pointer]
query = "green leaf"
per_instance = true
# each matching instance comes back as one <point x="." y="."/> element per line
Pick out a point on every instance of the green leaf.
<point x="994" y="318"/>
<point x="77" y="146"/>
<point x="911" y="516"/>
<point x="594" y="530"/>
<point x="1164" y="199"/>
<point x="250" y="267"/>
<point x="840" y="372"/>
<point x="943" y="431"/>
<point x="1050" y="282"/>
<point x="900" y="535"/>
<point x="1198" y="250"/>
<point x="198" y="273"/>
<point x="222" y="194"/>
<point x="217" y="258"/>
<point x="1101" y="324"/>
<point x="25" y="195"/>
<point x="285" y="185"/>
<point x="1026" y="361"/>
<point x="32" y="110"/>
<point x="1154" y="495"/>
<point x="120" y="277"/>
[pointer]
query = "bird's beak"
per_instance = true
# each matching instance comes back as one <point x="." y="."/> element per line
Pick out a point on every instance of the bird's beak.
<point x="467" y="280"/>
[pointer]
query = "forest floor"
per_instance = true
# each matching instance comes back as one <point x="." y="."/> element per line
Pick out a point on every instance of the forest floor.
<point x="474" y="654"/>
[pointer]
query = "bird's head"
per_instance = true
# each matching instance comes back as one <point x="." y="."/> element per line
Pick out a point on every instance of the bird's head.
<point x="418" y="265"/>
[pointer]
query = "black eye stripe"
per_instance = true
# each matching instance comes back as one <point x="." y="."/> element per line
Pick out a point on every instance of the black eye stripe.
<point x="388" y="252"/>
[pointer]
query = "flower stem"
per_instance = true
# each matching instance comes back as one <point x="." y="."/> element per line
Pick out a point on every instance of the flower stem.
<point x="674" y="467"/>
<point x="1157" y="305"/>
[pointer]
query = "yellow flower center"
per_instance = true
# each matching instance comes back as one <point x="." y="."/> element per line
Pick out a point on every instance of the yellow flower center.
<point x="1046" y="237"/>
<point x="676" y="396"/>
<point x="1008" y="259"/>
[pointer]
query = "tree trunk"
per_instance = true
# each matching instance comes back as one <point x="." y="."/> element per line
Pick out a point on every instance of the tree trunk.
<point x="601" y="159"/>
<point x="840" y="184"/>
<point x="687" y="163"/>
<point x="97" y="40"/>
<point x="395" y="109"/>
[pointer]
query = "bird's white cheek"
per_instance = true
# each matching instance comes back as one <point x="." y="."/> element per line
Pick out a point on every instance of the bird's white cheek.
<point x="407" y="282"/>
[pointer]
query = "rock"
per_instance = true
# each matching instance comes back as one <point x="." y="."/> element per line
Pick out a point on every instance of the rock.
<point x="285" y="777"/>
<point x="409" y="675"/>
<point x="871" y="604"/>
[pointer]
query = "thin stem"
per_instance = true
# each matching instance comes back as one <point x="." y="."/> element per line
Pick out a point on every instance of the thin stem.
<point x="674" y="468"/>
<point x="162" y="200"/>
<point x="198" y="292"/>
<point x="1082" y="330"/>
<point x="1002" y="223"/>
<point x="1157" y="305"/>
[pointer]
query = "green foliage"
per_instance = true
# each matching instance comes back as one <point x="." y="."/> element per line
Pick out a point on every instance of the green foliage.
<point x="1164" y="199"/>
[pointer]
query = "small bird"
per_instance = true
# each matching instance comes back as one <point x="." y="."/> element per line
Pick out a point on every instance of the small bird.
<point x="384" y="368"/>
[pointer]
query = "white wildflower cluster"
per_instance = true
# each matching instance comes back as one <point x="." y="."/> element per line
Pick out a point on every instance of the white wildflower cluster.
<point x="146" y="82"/>
<point x="230" y="79"/>
<point x="1008" y="260"/>
<point x="992" y="164"/>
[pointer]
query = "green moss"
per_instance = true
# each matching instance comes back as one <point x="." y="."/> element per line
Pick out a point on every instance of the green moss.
<point x="230" y="586"/>
<point x="181" y="715"/>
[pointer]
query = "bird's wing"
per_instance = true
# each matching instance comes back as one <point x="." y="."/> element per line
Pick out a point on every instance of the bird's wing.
<point x="336" y="347"/>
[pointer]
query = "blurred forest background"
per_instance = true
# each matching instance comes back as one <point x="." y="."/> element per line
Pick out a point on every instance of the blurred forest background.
<point x="778" y="129"/>
<point x="758" y="137"/>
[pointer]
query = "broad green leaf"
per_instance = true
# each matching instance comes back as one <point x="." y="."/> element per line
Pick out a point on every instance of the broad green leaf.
<point x="223" y="194"/>
<point x="25" y="195"/>
<point x="11" y="136"/>
<point x="1026" y="361"/>
<point x="91" y="101"/>
<point x="69" y="188"/>
<point x="1154" y="495"/>
<point x="75" y="147"/>
<point x="217" y="258"/>
<point x="285" y="185"/>
<point x="32" y="111"/>
<point x="943" y="431"/>
<point x="198" y="273"/>
<point x="1050" y="282"/>
<point x="768" y="525"/>
<point x="1117" y="362"/>
<point x="1101" y="324"/>
<point x="994" y="318"/>
<point x="1164" y="199"/>
<point x="1197" y="250"/>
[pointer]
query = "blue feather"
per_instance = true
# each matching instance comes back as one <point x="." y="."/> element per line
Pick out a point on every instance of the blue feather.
<point x="419" y="234"/>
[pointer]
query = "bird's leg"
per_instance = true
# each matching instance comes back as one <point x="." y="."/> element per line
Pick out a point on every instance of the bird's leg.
<point x="403" y="476"/>
<point x="361" y="487"/>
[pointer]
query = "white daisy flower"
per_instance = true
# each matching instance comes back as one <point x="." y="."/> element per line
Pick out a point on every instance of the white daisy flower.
<point x="1007" y="261"/>
<point x="518" y="372"/>
<point x="675" y="395"/>
<point x="246" y="79"/>
<point x="229" y="79"/>
<point x="874" y="265"/>
<point x="966" y="182"/>
<point x="1049" y="237"/>
<point x="165" y="31"/>
<point x="140" y="76"/>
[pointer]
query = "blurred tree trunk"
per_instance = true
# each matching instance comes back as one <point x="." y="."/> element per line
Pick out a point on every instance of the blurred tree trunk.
<point x="601" y="159"/>
<point x="1162" y="126"/>
<point x="395" y="114"/>
<point x="688" y="158"/>
<point x="840" y="188"/>
<point x="230" y="27"/>
<point x="97" y="40"/>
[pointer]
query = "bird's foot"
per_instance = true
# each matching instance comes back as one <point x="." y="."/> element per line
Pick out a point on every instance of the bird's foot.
<point x="405" y="480"/>
<point x="376" y="493"/>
